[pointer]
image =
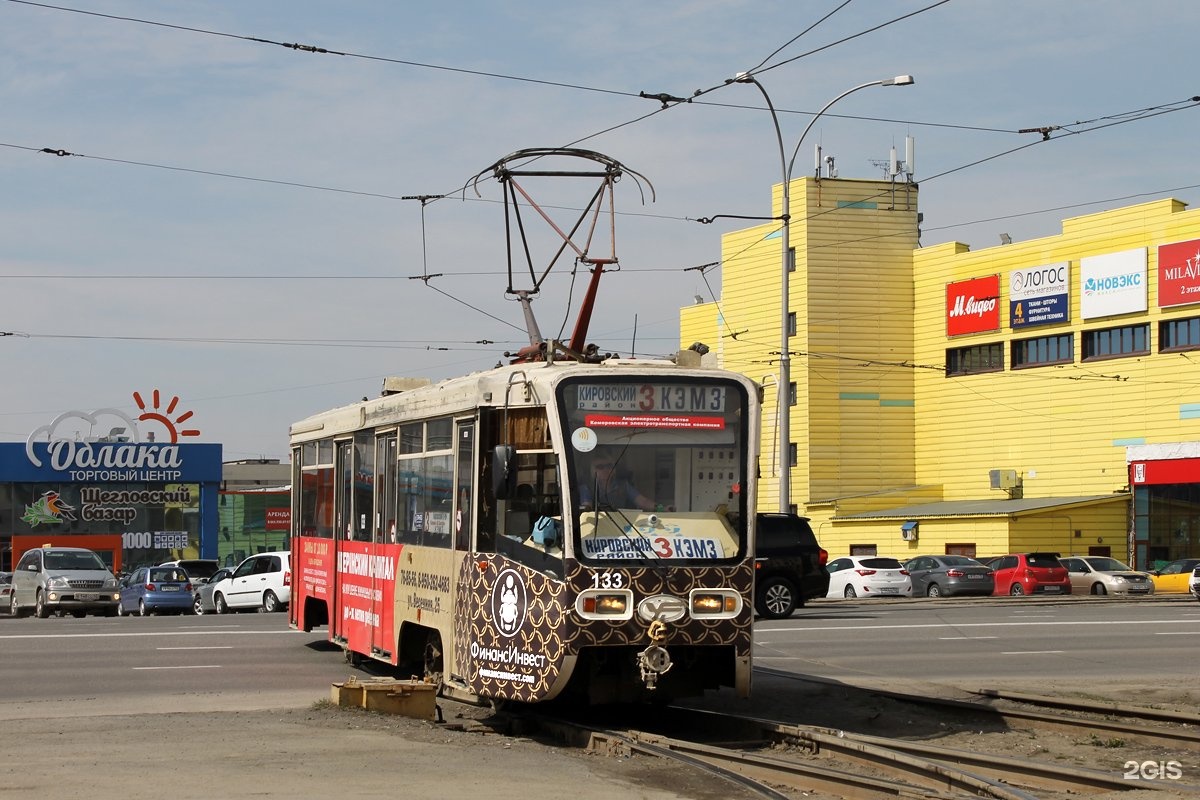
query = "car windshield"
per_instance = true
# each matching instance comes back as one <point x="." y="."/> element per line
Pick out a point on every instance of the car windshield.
<point x="73" y="561"/>
<point x="880" y="563"/>
<point x="1107" y="565"/>
<point x="1043" y="560"/>
<point x="960" y="561"/>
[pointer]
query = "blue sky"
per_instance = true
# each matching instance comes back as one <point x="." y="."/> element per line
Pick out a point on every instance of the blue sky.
<point x="230" y="230"/>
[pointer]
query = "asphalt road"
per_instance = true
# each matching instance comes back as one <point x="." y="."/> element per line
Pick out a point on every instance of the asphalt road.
<point x="96" y="666"/>
<point x="227" y="705"/>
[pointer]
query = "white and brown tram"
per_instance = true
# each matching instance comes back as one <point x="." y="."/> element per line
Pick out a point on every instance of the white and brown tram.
<point x="537" y="530"/>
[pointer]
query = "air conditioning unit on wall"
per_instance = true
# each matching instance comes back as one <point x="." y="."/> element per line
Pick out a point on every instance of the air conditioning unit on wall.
<point x="1003" y="478"/>
<point x="908" y="531"/>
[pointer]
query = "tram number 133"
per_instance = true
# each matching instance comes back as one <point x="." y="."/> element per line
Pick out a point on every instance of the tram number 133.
<point x="608" y="580"/>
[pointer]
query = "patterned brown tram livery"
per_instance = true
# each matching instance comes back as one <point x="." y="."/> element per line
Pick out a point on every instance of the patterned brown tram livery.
<point x="535" y="531"/>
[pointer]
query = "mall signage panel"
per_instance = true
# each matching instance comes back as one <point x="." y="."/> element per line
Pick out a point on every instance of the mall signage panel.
<point x="1179" y="273"/>
<point x="1039" y="295"/>
<point x="973" y="306"/>
<point x="1112" y="284"/>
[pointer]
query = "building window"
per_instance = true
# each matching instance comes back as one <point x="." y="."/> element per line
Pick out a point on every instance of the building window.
<point x="979" y="358"/>
<point x="1130" y="340"/>
<point x="792" y="393"/>
<point x="1043" y="350"/>
<point x="793" y="454"/>
<point x="1179" y="334"/>
<point x="791" y="323"/>
<point x="791" y="259"/>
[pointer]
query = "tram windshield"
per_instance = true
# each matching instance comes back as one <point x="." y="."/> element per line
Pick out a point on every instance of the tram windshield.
<point x="656" y="467"/>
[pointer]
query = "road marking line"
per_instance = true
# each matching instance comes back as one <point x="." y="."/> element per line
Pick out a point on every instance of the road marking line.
<point x="964" y="638"/>
<point x="1177" y="633"/>
<point x="214" y="647"/>
<point x="197" y="666"/>
<point x="1031" y="624"/>
<point x="1030" y="652"/>
<point x="147" y="633"/>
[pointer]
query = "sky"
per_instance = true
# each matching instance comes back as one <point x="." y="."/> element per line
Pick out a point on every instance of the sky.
<point x="229" y="226"/>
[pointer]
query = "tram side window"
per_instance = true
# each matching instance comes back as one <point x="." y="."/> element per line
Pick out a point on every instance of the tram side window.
<point x="317" y="487"/>
<point x="531" y="531"/>
<point x="423" y="500"/>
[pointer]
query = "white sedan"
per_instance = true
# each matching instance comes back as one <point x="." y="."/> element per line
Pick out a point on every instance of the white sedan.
<point x="868" y="576"/>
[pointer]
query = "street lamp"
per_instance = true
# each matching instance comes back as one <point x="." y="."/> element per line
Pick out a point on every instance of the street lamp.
<point x="785" y="380"/>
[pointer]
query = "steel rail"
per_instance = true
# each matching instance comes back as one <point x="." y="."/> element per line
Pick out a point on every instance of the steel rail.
<point x="1187" y="738"/>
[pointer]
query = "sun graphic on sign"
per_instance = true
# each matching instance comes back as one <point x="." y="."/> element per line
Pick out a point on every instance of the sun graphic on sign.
<point x="158" y="414"/>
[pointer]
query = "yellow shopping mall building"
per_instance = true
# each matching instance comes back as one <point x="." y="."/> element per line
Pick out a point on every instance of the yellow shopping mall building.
<point x="1040" y="395"/>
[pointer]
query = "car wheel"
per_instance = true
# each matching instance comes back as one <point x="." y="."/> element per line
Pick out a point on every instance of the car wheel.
<point x="14" y="609"/>
<point x="142" y="610"/>
<point x="1016" y="590"/>
<point x="933" y="591"/>
<point x="270" y="603"/>
<point x="219" y="602"/>
<point x="849" y="592"/>
<point x="40" y="609"/>
<point x="120" y="609"/>
<point x="1098" y="588"/>
<point x="776" y="598"/>
<point x="197" y="606"/>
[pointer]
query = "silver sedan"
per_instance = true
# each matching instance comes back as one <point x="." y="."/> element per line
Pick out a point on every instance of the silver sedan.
<point x="202" y="597"/>
<point x="1104" y="575"/>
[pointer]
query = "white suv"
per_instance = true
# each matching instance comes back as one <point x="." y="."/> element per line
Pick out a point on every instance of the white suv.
<point x="261" y="581"/>
<point x="1194" y="583"/>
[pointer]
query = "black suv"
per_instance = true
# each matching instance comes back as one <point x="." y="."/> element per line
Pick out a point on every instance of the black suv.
<point x="789" y="567"/>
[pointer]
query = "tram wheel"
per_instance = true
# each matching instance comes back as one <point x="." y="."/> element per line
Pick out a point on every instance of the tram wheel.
<point x="433" y="658"/>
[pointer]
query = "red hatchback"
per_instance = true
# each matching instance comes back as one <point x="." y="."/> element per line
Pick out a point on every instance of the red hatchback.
<point x="1029" y="573"/>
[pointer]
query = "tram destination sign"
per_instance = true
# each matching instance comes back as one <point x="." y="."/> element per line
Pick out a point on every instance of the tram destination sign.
<point x="652" y="398"/>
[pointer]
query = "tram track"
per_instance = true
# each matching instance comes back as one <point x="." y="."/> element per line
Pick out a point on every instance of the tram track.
<point x="767" y="756"/>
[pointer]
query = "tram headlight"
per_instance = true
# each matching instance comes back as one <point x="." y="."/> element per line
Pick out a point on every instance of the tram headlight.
<point x="715" y="603"/>
<point x="610" y="604"/>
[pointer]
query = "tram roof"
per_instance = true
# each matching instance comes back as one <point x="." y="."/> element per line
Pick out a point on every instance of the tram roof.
<point x="495" y="387"/>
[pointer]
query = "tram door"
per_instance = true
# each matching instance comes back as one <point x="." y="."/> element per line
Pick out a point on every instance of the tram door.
<point x="463" y="517"/>
<point x="342" y="532"/>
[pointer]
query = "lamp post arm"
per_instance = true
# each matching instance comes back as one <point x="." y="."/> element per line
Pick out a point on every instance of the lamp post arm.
<point x="817" y="116"/>
<point x="785" y="168"/>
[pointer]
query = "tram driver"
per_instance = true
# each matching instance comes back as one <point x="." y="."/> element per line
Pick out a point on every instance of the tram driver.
<point x="607" y="487"/>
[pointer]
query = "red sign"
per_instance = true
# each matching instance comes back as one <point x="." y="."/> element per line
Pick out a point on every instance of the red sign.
<point x="1165" y="471"/>
<point x="1179" y="273"/>
<point x="973" y="306"/>
<point x="279" y="519"/>
<point x="655" y="422"/>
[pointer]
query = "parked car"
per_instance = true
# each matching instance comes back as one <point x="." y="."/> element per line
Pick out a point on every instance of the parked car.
<point x="1029" y="573"/>
<point x="202" y="594"/>
<point x="261" y="581"/>
<point x="949" y="576"/>
<point x="62" y="579"/>
<point x="789" y="565"/>
<point x="868" y="576"/>
<point x="200" y="570"/>
<point x="1174" y="577"/>
<point x="1194" y="583"/>
<point x="5" y="590"/>
<point x="154" y="590"/>
<point x="1104" y="575"/>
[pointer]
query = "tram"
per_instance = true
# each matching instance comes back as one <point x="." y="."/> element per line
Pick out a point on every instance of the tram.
<point x="471" y="531"/>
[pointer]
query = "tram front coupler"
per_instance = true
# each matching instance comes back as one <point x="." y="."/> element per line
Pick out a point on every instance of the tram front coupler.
<point x="655" y="661"/>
